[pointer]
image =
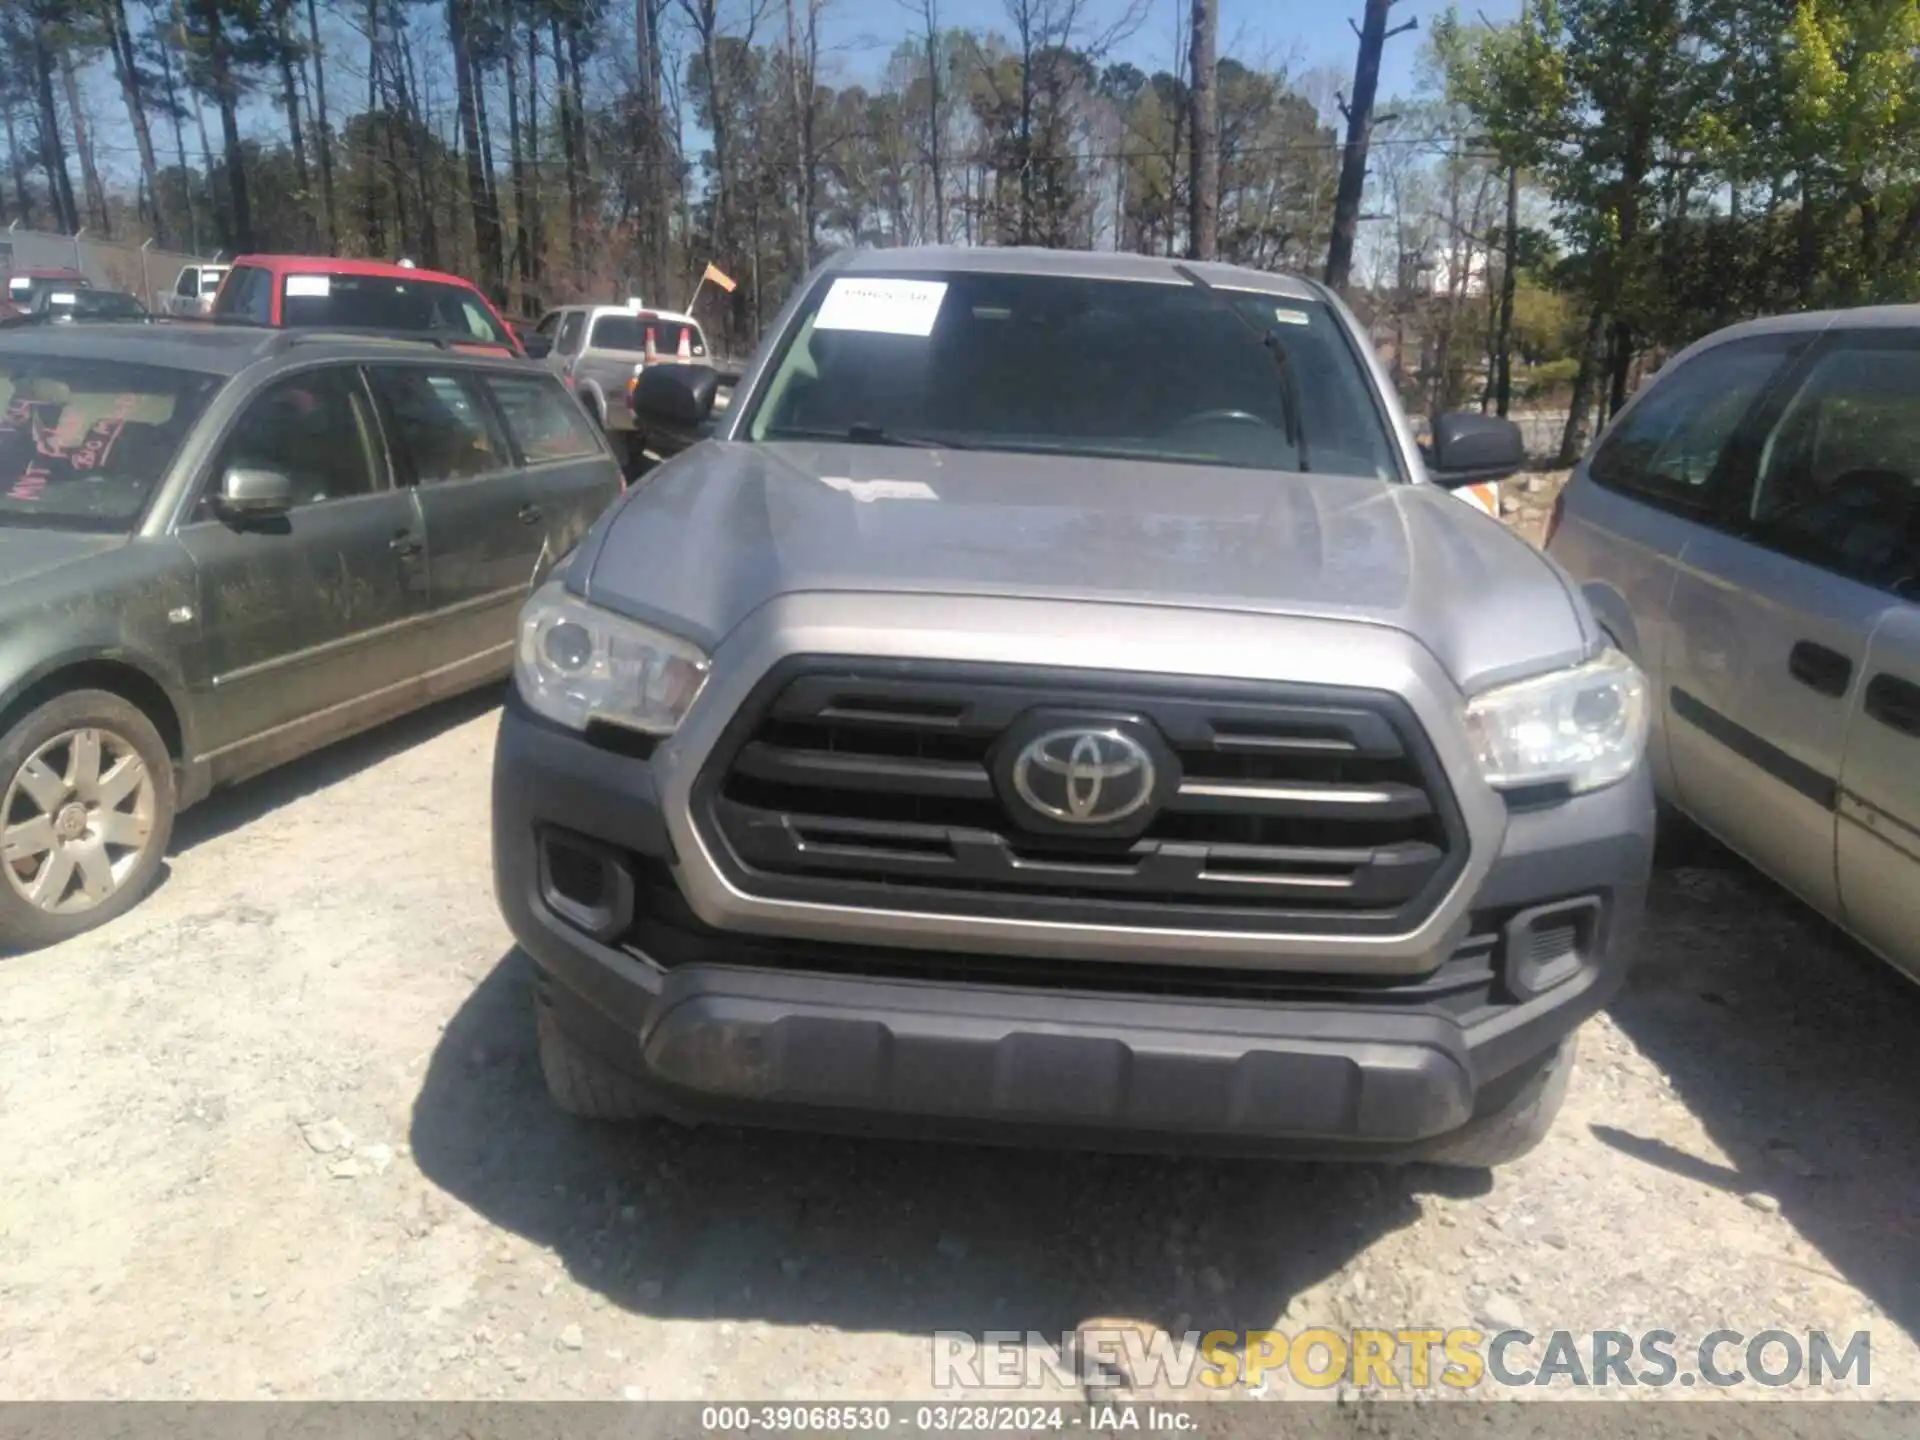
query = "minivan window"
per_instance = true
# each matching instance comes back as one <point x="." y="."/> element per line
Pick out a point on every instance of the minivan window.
<point x="387" y="302"/>
<point x="84" y="443"/>
<point x="1667" y="447"/>
<point x="1838" y="483"/>
<point x="1056" y="364"/>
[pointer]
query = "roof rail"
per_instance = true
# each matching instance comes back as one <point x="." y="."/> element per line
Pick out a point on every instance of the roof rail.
<point x="288" y="339"/>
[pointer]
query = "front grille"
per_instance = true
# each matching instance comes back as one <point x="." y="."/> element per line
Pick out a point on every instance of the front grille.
<point x="877" y="785"/>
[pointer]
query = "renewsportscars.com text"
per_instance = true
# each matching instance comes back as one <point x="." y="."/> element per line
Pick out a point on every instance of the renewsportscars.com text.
<point x="1400" y="1359"/>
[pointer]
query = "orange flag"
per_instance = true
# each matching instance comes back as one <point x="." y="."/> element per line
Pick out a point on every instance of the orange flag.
<point x="720" y="277"/>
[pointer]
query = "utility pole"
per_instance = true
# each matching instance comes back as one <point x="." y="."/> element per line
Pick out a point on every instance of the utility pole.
<point x="1374" y="34"/>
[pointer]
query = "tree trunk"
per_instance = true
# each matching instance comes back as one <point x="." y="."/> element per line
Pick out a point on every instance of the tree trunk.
<point x="563" y="90"/>
<point x="370" y="226"/>
<point x="53" y="155"/>
<point x="324" y="143"/>
<point x="23" y="197"/>
<point x="536" y="227"/>
<point x="227" y="94"/>
<point x="290" y="101"/>
<point x="1619" y="365"/>
<point x="1203" y="219"/>
<point x="486" y="141"/>
<point x="97" y="213"/>
<point x="930" y="12"/>
<point x="522" y="265"/>
<point x="126" y="70"/>
<point x="409" y="88"/>
<point x="1353" y="160"/>
<point x="1573" y="440"/>
<point x="1509" y="286"/>
<point x="180" y="147"/>
<point x="486" y="221"/>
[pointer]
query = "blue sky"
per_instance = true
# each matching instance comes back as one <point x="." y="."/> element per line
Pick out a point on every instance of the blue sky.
<point x="1298" y="34"/>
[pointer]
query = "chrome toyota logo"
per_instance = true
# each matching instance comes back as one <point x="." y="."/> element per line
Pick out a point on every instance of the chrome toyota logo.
<point x="1084" y="776"/>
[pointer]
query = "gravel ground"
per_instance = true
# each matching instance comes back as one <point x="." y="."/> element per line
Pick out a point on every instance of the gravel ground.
<point x="280" y="1132"/>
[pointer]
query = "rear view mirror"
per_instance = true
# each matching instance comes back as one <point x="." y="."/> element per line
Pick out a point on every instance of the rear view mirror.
<point x="1471" y="449"/>
<point x="679" y="397"/>
<point x="247" y="493"/>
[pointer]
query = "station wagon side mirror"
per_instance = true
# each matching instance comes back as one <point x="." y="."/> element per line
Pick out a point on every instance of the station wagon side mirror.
<point x="1471" y="449"/>
<point x="679" y="397"/>
<point x="251" y="493"/>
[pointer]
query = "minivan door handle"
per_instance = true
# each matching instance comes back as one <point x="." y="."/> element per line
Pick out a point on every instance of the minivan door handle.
<point x="405" y="545"/>
<point x="1895" y="703"/>
<point x="530" y="514"/>
<point x="1819" y="668"/>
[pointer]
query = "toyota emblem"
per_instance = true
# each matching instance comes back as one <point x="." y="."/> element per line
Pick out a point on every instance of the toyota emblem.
<point x="1084" y="776"/>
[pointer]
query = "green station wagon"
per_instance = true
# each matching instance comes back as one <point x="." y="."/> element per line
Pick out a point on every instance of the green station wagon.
<point x="221" y="549"/>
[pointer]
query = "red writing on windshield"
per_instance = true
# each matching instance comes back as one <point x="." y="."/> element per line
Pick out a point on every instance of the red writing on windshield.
<point x="32" y="482"/>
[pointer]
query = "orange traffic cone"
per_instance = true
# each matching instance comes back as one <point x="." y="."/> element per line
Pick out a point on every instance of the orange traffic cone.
<point x="685" y="355"/>
<point x="653" y="355"/>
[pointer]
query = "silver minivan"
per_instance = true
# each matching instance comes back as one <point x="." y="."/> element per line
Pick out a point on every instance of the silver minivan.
<point x="1749" y="531"/>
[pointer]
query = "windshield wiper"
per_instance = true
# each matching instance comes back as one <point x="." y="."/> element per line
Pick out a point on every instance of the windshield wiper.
<point x="1296" y="431"/>
<point x="865" y="433"/>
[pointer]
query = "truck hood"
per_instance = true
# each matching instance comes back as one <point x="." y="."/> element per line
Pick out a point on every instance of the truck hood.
<point x="726" y="527"/>
<point x="29" y="553"/>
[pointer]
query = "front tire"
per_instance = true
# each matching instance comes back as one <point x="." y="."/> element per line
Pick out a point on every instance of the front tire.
<point x="87" y="803"/>
<point x="580" y="1082"/>
<point x="1521" y="1125"/>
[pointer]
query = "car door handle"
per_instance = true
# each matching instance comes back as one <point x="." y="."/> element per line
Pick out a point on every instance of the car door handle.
<point x="1819" y="668"/>
<point x="530" y="514"/>
<point x="406" y="545"/>
<point x="1895" y="703"/>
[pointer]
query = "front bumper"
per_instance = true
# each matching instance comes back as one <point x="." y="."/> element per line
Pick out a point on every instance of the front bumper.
<point x="821" y="1033"/>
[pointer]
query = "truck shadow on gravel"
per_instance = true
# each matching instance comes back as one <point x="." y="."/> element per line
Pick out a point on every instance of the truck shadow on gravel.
<point x="876" y="1235"/>
<point x="1794" y="1048"/>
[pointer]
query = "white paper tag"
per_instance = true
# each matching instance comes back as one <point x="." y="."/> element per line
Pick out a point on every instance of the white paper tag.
<point x="882" y="307"/>
<point x="309" y="285"/>
<point x="867" y="491"/>
<point x="1293" y="317"/>
<point x="64" y="297"/>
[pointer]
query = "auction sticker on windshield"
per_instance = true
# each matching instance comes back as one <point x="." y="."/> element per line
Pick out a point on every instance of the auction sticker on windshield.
<point x="309" y="285"/>
<point x="882" y="307"/>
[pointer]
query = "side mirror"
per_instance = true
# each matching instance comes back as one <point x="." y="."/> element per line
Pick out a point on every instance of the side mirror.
<point x="537" y="346"/>
<point x="679" y="397"/>
<point x="1471" y="449"/>
<point x="247" y="493"/>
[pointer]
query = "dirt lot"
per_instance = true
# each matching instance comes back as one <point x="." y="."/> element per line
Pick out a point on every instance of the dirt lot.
<point x="280" y="1132"/>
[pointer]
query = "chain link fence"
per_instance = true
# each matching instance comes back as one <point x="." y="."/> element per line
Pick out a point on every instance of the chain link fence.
<point x="145" y="271"/>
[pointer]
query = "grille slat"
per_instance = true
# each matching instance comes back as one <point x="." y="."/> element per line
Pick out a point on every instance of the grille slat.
<point x="1293" y="806"/>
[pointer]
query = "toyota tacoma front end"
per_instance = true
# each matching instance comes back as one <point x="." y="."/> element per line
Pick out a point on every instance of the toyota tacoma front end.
<point x="975" y="739"/>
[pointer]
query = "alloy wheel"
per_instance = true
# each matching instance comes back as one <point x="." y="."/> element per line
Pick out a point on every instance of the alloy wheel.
<point x="76" y="820"/>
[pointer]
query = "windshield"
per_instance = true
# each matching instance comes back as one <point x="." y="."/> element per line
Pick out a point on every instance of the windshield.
<point x="94" y="305"/>
<point x="371" y="302"/>
<point x="84" y="442"/>
<point x="1045" y="363"/>
<point x="24" y="290"/>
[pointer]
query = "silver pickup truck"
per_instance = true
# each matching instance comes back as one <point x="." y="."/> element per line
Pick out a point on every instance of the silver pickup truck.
<point x="595" y="349"/>
<point x="1063" y="704"/>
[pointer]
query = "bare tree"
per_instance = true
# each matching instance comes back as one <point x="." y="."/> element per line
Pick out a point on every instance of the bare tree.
<point x="1374" y="34"/>
<point x="323" y="142"/>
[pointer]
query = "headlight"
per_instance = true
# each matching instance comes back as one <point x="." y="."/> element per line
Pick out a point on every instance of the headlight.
<point x="1585" y="728"/>
<point x="577" y="662"/>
